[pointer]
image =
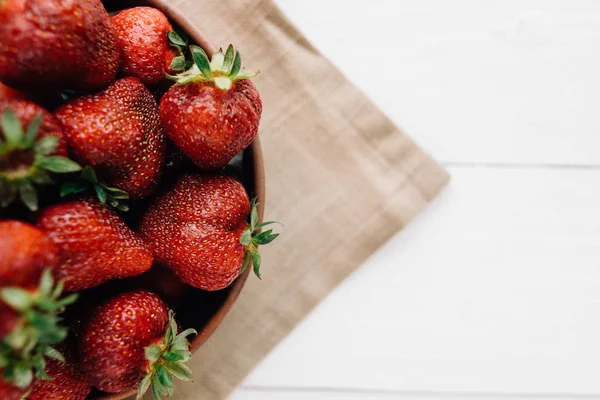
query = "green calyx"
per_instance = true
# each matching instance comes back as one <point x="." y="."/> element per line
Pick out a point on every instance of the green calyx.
<point x="166" y="360"/>
<point x="253" y="237"/>
<point x="183" y="60"/>
<point x="223" y="70"/>
<point x="23" y="351"/>
<point x="26" y="160"/>
<point x="114" y="197"/>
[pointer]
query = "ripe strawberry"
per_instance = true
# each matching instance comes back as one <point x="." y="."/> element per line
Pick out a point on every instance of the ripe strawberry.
<point x="142" y="36"/>
<point x="67" y="381"/>
<point x="9" y="391"/>
<point x="131" y="341"/>
<point x="94" y="243"/>
<point x="27" y="157"/>
<point x="118" y="132"/>
<point x="26" y="251"/>
<point x="198" y="229"/>
<point x="65" y="44"/>
<point x="213" y="111"/>
<point x="29" y="303"/>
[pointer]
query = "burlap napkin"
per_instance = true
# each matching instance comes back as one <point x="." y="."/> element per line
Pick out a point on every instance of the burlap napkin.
<point x="340" y="176"/>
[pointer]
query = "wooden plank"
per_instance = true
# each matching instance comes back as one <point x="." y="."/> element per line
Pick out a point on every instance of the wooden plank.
<point x="472" y="80"/>
<point x="495" y="288"/>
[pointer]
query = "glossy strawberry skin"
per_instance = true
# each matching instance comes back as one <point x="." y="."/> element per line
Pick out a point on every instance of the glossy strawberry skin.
<point x="112" y="342"/>
<point x="26" y="251"/>
<point x="95" y="245"/>
<point x="209" y="124"/>
<point x="195" y="228"/>
<point x="58" y="44"/>
<point x="68" y="381"/>
<point x="142" y="37"/>
<point x="26" y="111"/>
<point x="118" y="132"/>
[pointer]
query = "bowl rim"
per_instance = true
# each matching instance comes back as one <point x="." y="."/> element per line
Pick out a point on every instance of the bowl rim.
<point x="258" y="172"/>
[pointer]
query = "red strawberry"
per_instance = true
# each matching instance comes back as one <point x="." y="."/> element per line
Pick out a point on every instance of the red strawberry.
<point x="29" y="304"/>
<point x="66" y="382"/>
<point x="213" y="111"/>
<point x="198" y="229"/>
<point x="131" y="341"/>
<point x="94" y="243"/>
<point x="118" y="132"/>
<point x="142" y="36"/>
<point x="9" y="391"/>
<point x="26" y="251"/>
<point x="27" y="156"/>
<point x="67" y="44"/>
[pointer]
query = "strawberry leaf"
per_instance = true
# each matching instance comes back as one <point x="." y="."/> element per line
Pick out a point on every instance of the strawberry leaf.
<point x="178" y="64"/>
<point x="228" y="60"/>
<point x="28" y="195"/>
<point x="247" y="258"/>
<point x="236" y="66"/>
<point x="256" y="260"/>
<point x="175" y="39"/>
<point x="153" y="353"/>
<point x="46" y="145"/>
<point x="17" y="298"/>
<point x="12" y="128"/>
<point x="201" y="61"/>
<point x="57" y="164"/>
<point x="23" y="376"/>
<point x="32" y="130"/>
<point x="179" y="371"/>
<point x="246" y="237"/>
<point x="72" y="187"/>
<point x="41" y="177"/>
<point x="144" y="385"/>
<point x="8" y="192"/>
<point x="164" y="376"/>
<point x="46" y="284"/>
<point x="51" y="352"/>
<point x="101" y="193"/>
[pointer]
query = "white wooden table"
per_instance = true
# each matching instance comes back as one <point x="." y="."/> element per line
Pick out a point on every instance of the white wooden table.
<point x="494" y="291"/>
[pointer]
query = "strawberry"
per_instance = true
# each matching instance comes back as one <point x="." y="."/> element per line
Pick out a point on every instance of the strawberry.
<point x="131" y="341"/>
<point x="94" y="243"/>
<point x="213" y="110"/>
<point x="28" y="156"/>
<point x="66" y="381"/>
<point x="67" y="44"/>
<point x="118" y="132"/>
<point x="145" y="50"/>
<point x="26" y="251"/>
<point x="198" y="229"/>
<point x="29" y="303"/>
<point x="9" y="391"/>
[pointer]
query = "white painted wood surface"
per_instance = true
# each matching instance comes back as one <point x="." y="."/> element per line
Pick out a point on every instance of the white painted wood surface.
<point x="494" y="291"/>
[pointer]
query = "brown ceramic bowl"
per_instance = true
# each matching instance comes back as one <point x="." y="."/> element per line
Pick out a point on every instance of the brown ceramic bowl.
<point x="203" y="311"/>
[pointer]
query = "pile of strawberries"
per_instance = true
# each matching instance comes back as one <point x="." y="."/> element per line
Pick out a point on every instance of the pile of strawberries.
<point x="114" y="137"/>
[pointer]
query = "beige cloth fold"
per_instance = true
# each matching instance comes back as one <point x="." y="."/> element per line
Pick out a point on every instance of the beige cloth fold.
<point x="340" y="176"/>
